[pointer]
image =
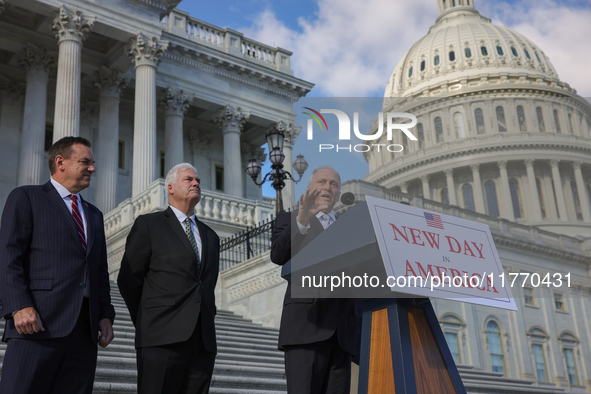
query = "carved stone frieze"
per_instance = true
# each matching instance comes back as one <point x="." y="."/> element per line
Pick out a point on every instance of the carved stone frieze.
<point x="230" y="119"/>
<point x="110" y="82"/>
<point x="73" y="26"/>
<point x="174" y="102"/>
<point x="200" y="141"/>
<point x="144" y="50"/>
<point x="37" y="60"/>
<point x="11" y="90"/>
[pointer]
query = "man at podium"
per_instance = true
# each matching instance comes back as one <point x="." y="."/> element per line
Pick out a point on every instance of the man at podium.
<point x="316" y="334"/>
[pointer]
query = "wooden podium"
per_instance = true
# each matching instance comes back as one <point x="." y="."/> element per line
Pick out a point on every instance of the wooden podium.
<point x="403" y="350"/>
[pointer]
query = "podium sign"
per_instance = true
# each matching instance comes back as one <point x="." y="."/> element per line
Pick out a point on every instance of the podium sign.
<point x="428" y="254"/>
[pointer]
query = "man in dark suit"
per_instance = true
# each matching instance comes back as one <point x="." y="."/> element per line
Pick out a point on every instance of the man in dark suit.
<point x="54" y="282"/>
<point x="167" y="279"/>
<point x="317" y="335"/>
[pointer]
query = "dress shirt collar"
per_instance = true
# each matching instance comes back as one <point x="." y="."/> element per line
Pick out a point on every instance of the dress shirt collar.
<point x="63" y="192"/>
<point x="330" y="214"/>
<point x="181" y="216"/>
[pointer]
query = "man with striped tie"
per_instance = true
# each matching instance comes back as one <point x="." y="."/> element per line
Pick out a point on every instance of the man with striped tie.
<point x="54" y="282"/>
<point x="317" y="335"/>
<point x="167" y="279"/>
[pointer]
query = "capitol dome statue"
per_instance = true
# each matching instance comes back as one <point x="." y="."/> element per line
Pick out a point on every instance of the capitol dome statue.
<point x="498" y="132"/>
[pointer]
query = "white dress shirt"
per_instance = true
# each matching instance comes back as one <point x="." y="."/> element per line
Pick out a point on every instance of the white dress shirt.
<point x="66" y="196"/>
<point x="181" y="217"/>
<point x="304" y="229"/>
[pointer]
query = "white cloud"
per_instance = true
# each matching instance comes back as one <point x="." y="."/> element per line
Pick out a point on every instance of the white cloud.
<point x="561" y="32"/>
<point x="351" y="47"/>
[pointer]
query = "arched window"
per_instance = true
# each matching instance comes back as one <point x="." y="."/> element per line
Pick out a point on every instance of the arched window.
<point x="540" y="119"/>
<point x="423" y="65"/>
<point x="438" y="130"/>
<point x="468" y="52"/>
<point x="515" y="198"/>
<point x="452" y="56"/>
<point x="573" y="187"/>
<point x="521" y="118"/>
<point x="445" y="196"/>
<point x="556" y="121"/>
<point x="421" y="136"/>
<point x="526" y="54"/>
<point x="491" y="198"/>
<point x="436" y="60"/>
<point x="459" y="125"/>
<point x="468" y="197"/>
<point x="514" y="51"/>
<point x="537" y="57"/>
<point x="541" y="197"/>
<point x="570" y="124"/>
<point x="500" y="50"/>
<point x="479" y="121"/>
<point x="484" y="51"/>
<point x="410" y="72"/>
<point x="501" y="119"/>
<point x="495" y="347"/>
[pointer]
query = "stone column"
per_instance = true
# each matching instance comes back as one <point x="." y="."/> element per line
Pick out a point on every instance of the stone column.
<point x="478" y="196"/>
<point x="110" y="83"/>
<point x="38" y="64"/>
<point x="505" y="191"/>
<point x="145" y="53"/>
<point x="11" y="116"/>
<point x="582" y="192"/>
<point x="426" y="189"/>
<point x="231" y="121"/>
<point x="404" y="187"/>
<point x="533" y="190"/>
<point x="70" y="29"/>
<point x="175" y="105"/>
<point x="451" y="187"/>
<point x="562" y="212"/>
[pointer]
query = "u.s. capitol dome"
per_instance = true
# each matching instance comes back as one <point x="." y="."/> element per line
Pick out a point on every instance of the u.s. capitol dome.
<point x="498" y="132"/>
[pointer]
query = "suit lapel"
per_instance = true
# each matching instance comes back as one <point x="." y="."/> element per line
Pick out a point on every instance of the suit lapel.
<point x="203" y="236"/>
<point x="89" y="226"/>
<point x="60" y="206"/>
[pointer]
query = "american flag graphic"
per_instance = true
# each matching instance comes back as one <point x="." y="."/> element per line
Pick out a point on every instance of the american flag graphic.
<point x="433" y="220"/>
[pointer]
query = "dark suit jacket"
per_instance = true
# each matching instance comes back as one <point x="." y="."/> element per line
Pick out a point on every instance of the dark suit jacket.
<point x="42" y="262"/>
<point x="160" y="284"/>
<point x="309" y="320"/>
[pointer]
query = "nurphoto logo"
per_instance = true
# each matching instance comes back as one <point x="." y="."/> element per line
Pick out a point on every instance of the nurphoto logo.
<point x="393" y="122"/>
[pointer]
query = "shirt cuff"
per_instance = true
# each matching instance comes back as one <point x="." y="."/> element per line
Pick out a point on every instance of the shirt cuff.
<point x="303" y="229"/>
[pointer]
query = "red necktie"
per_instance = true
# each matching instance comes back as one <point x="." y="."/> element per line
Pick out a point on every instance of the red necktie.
<point x="78" y="220"/>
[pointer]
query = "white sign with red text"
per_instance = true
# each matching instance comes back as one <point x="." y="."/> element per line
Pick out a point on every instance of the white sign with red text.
<point x="430" y="254"/>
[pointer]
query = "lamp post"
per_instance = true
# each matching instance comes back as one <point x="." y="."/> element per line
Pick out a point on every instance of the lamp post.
<point x="277" y="174"/>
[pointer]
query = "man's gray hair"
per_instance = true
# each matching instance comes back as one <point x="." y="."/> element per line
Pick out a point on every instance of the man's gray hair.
<point x="174" y="172"/>
<point x="325" y="167"/>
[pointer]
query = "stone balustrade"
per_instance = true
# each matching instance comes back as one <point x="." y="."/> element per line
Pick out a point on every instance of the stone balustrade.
<point x="214" y="207"/>
<point x="230" y="41"/>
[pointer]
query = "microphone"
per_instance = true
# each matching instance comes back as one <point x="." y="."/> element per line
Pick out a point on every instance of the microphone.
<point x="348" y="198"/>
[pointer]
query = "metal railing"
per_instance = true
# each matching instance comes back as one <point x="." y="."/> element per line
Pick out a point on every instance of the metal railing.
<point x="246" y="244"/>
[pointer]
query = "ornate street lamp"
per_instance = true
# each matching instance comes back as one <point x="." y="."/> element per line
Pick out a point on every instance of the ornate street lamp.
<point x="277" y="173"/>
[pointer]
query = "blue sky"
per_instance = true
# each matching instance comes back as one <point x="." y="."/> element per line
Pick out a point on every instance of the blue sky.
<point x="349" y="48"/>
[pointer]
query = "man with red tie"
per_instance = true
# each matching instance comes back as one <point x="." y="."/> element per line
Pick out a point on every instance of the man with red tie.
<point x="54" y="282"/>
